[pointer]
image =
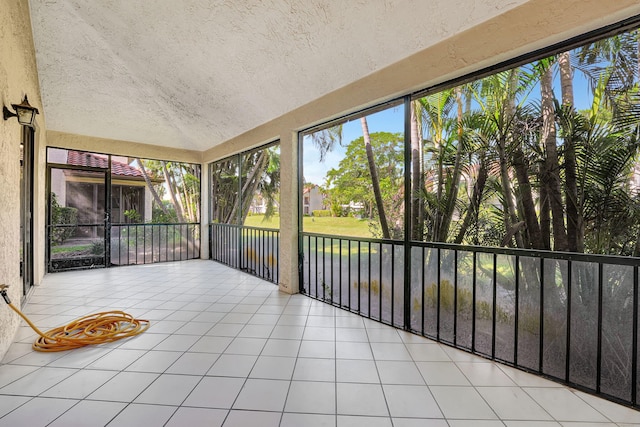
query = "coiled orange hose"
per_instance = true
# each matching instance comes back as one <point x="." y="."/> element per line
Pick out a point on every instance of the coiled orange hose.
<point x="98" y="328"/>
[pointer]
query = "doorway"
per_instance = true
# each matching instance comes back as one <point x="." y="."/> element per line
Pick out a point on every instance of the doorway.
<point x="77" y="220"/>
<point x="26" y="209"/>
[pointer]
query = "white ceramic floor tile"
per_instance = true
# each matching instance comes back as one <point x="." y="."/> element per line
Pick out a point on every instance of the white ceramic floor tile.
<point x="9" y="403"/>
<point x="543" y="424"/>
<point x="319" y="334"/>
<point x="525" y="379"/>
<point x="411" y="401"/>
<point x="361" y="399"/>
<point x="485" y="374"/>
<point x="124" y="387"/>
<point x="353" y="350"/>
<point x="383" y="335"/>
<point x="390" y="351"/>
<point x="262" y="395"/>
<point x="360" y="421"/>
<point x="427" y="352"/>
<point x="36" y="358"/>
<point x="37" y="381"/>
<point x="310" y="369"/>
<point x="512" y="403"/>
<point x="252" y="346"/>
<point x="415" y="422"/>
<point x="442" y="373"/>
<point x="482" y="423"/>
<point x="281" y="347"/>
<point x="215" y="392"/>
<point x="307" y="420"/>
<point x="318" y="349"/>
<point x="143" y="341"/>
<point x="271" y="367"/>
<point x="351" y="335"/>
<point x="616" y="413"/>
<point x="395" y="372"/>
<point x="89" y="413"/>
<point x="154" y="361"/>
<point x="118" y="359"/>
<point x="357" y="371"/>
<point x="225" y="330"/>
<point x="287" y="332"/>
<point x="462" y="402"/>
<point x="177" y="343"/>
<point x="211" y="344"/>
<point x="80" y="358"/>
<point x="195" y="328"/>
<point x="197" y="417"/>
<point x="564" y="405"/>
<point x="169" y="390"/>
<point x="295" y="316"/>
<point x="80" y="384"/>
<point x="233" y="365"/>
<point x="193" y="364"/>
<point x="10" y="373"/>
<point x="37" y="412"/>
<point x="320" y="321"/>
<point x="136" y="415"/>
<point x="238" y="418"/>
<point x="311" y="397"/>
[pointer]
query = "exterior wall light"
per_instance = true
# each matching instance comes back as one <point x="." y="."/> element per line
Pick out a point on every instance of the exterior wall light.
<point x="25" y="113"/>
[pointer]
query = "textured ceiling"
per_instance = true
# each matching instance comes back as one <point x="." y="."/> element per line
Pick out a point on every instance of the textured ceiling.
<point x="195" y="73"/>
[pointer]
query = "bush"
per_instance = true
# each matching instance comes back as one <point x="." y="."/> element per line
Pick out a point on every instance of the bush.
<point x="321" y="212"/>
<point x="61" y="215"/>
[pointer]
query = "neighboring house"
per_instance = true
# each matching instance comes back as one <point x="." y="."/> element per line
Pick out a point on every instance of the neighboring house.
<point x="84" y="189"/>
<point x="312" y="199"/>
<point x="259" y="205"/>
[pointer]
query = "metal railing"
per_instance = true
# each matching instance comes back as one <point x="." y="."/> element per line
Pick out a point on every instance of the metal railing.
<point x="153" y="243"/>
<point x="251" y="249"/>
<point x="569" y="317"/>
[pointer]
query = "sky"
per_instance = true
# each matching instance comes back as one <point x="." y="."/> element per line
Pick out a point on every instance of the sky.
<point x="392" y="120"/>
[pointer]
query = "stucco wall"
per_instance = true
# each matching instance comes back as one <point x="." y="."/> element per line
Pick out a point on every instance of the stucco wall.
<point x="18" y="76"/>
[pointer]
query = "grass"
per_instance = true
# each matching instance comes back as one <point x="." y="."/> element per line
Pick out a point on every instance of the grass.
<point x="66" y="249"/>
<point x="346" y="226"/>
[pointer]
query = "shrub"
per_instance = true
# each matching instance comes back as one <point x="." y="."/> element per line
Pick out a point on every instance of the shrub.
<point x="321" y="212"/>
<point x="61" y="215"/>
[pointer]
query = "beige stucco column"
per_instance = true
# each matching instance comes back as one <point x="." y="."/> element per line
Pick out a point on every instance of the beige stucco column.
<point x="288" y="256"/>
<point x="204" y="211"/>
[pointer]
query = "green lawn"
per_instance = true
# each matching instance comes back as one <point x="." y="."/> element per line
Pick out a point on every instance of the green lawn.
<point x="326" y="225"/>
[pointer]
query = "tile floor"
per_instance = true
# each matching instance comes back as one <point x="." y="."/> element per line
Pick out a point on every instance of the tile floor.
<point x="227" y="349"/>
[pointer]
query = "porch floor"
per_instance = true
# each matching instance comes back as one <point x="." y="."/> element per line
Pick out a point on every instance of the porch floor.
<point x="226" y="348"/>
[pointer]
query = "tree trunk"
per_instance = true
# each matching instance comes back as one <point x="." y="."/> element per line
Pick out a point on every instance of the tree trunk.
<point x="474" y="206"/>
<point x="528" y="205"/>
<point x="152" y="190"/>
<point x="575" y="223"/>
<point x="187" y="198"/>
<point x="552" y="166"/>
<point x="452" y="191"/>
<point x="256" y="171"/>
<point x="510" y="217"/>
<point x="417" y="210"/>
<point x="374" y="179"/>
<point x="545" y="219"/>
<point x="176" y="201"/>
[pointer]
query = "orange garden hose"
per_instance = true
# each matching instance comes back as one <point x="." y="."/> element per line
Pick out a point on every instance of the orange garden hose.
<point x="98" y="328"/>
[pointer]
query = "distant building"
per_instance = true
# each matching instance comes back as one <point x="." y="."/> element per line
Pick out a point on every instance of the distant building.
<point x="312" y="199"/>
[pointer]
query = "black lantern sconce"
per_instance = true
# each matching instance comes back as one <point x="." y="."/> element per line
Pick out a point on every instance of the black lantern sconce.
<point x="25" y="113"/>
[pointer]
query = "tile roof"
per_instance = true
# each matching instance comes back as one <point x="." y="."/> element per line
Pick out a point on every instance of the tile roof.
<point x="78" y="158"/>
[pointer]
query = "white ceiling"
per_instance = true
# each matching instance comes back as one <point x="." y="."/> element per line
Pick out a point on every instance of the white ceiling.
<point x="195" y="73"/>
